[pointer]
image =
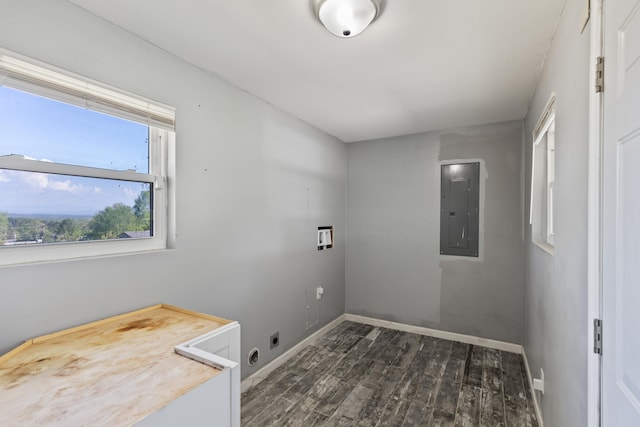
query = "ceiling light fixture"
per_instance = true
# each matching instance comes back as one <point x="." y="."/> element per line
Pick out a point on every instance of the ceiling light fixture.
<point x="347" y="18"/>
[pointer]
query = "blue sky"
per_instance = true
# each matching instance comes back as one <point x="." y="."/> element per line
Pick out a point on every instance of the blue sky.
<point x="43" y="129"/>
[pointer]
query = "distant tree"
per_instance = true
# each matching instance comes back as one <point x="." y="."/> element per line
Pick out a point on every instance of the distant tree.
<point x="67" y="230"/>
<point x="4" y="227"/>
<point x="66" y="227"/>
<point x="26" y="228"/>
<point x="142" y="210"/>
<point x="112" y="221"/>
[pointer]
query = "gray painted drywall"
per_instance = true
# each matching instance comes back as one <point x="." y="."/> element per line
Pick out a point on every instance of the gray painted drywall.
<point x="555" y="337"/>
<point x="252" y="186"/>
<point x="394" y="268"/>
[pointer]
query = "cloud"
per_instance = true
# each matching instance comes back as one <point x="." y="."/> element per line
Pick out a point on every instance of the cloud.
<point x="97" y="190"/>
<point x="43" y="182"/>
<point x="129" y="192"/>
<point x="65" y="186"/>
<point x="4" y="176"/>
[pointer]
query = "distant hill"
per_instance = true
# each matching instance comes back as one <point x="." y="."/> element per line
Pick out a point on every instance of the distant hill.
<point x="49" y="216"/>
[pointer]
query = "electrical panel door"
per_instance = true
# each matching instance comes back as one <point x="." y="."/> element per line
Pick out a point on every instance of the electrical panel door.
<point x="459" y="209"/>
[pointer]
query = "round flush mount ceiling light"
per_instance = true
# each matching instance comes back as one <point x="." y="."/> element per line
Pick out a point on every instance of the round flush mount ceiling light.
<point x="347" y="18"/>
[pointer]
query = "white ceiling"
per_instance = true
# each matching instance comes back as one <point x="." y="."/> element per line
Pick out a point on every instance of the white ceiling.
<point x="422" y="65"/>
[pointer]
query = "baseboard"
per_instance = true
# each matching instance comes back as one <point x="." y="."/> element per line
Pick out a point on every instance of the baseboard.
<point x="534" y="395"/>
<point x="263" y="372"/>
<point x="452" y="336"/>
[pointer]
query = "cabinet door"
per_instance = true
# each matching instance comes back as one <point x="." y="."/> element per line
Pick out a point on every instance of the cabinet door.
<point x="205" y="405"/>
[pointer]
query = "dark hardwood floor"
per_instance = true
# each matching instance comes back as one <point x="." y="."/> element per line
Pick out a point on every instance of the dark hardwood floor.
<point x="360" y="375"/>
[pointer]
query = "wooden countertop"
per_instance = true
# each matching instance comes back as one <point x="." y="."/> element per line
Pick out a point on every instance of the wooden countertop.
<point x="112" y="372"/>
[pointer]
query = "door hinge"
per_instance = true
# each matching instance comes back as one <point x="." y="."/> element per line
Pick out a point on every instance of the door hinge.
<point x="597" y="336"/>
<point x="599" y="74"/>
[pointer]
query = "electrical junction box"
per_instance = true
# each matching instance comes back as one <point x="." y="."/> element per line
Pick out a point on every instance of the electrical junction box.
<point x="325" y="237"/>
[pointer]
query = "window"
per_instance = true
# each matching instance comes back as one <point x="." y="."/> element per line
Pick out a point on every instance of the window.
<point x="83" y="168"/>
<point x="543" y="180"/>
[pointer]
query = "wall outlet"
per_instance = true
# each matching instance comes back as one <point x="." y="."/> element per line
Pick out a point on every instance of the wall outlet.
<point x="274" y="340"/>
<point x="319" y="292"/>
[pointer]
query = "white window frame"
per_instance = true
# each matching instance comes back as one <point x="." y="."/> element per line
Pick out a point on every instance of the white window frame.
<point x="542" y="204"/>
<point x="551" y="180"/>
<point x="40" y="79"/>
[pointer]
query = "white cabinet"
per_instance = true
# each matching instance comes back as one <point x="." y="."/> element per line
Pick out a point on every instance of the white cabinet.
<point x="159" y="366"/>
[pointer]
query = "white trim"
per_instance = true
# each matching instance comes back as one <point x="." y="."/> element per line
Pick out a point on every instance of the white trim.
<point x="542" y="179"/>
<point x="452" y="336"/>
<point x="594" y="218"/>
<point x="23" y="73"/>
<point x="160" y="142"/>
<point x="534" y="396"/>
<point x="263" y="372"/>
<point x="545" y="247"/>
<point x="544" y="121"/>
<point x="548" y="116"/>
<point x="18" y="162"/>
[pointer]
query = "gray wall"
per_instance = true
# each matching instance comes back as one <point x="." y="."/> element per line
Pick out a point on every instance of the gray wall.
<point x="253" y="184"/>
<point x="556" y="285"/>
<point x="394" y="267"/>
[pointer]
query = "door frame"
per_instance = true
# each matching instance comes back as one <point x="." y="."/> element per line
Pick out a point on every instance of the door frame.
<point x="594" y="213"/>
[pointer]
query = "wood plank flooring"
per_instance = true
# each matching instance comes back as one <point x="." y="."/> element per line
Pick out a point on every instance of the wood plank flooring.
<point x="360" y="375"/>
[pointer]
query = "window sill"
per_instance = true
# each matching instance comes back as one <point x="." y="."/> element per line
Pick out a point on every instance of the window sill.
<point x="77" y="251"/>
<point x="545" y="247"/>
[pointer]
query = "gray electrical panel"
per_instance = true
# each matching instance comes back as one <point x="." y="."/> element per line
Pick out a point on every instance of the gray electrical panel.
<point x="459" y="209"/>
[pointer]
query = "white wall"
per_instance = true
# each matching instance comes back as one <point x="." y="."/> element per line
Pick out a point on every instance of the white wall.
<point x="253" y="184"/>
<point x="556" y="285"/>
<point x="394" y="267"/>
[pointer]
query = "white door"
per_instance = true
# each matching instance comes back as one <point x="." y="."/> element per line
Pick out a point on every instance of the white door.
<point x="621" y="215"/>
